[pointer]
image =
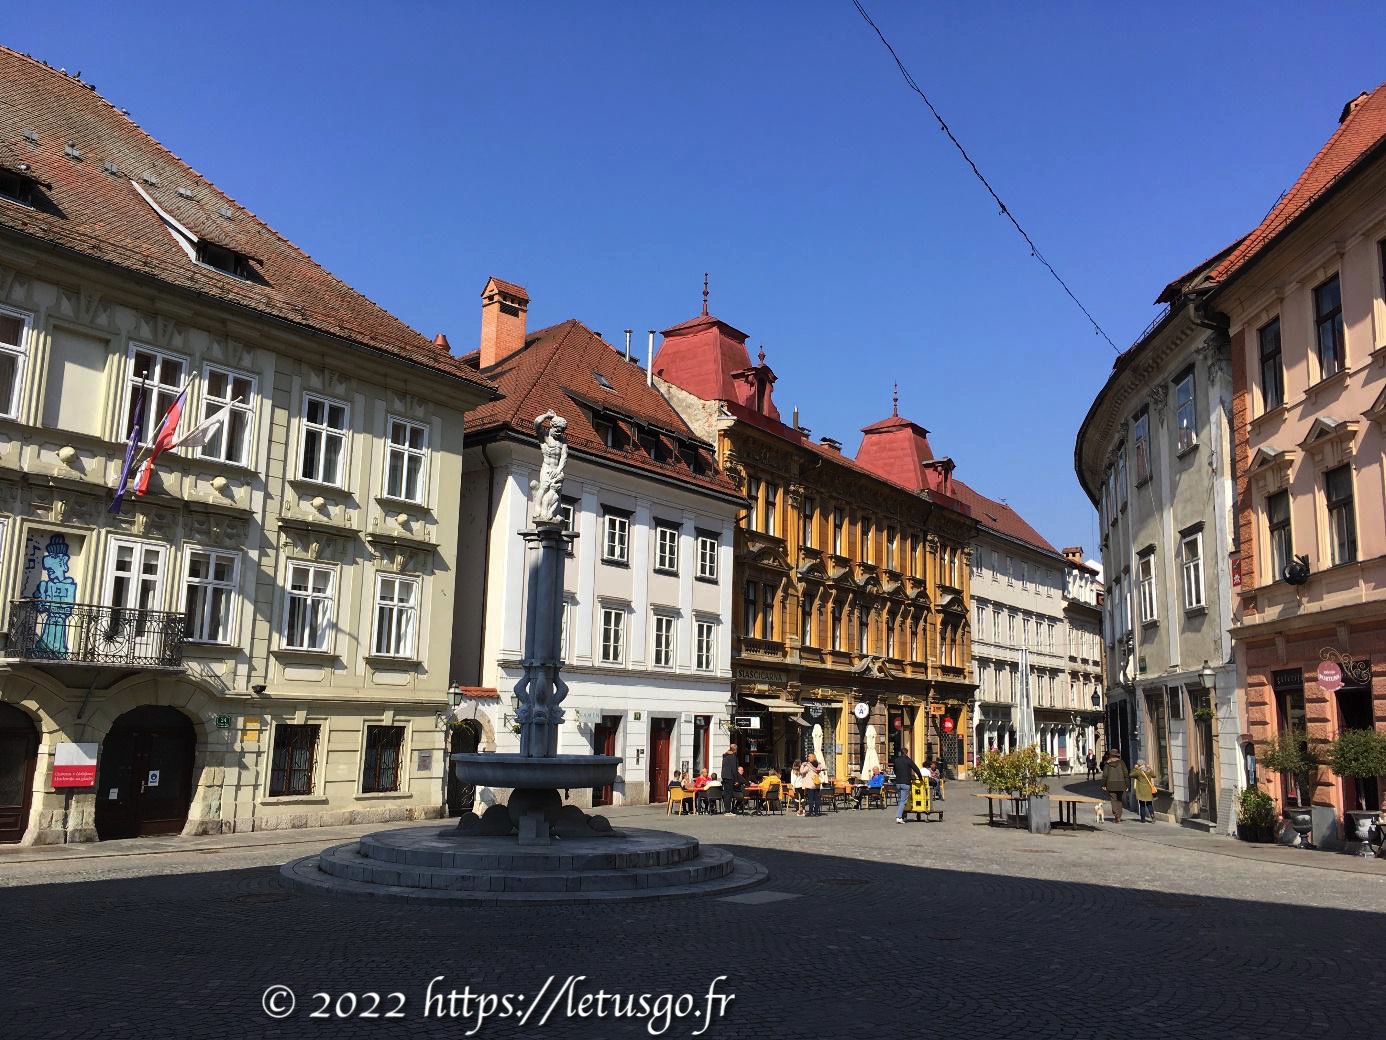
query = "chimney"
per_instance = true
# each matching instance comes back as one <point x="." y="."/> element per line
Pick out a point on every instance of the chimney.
<point x="441" y="342"/>
<point x="503" y="307"/>
<point x="1074" y="554"/>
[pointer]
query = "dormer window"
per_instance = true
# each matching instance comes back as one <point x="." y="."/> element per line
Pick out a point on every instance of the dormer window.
<point x="602" y="381"/>
<point x="223" y="259"/>
<point x="18" y="186"/>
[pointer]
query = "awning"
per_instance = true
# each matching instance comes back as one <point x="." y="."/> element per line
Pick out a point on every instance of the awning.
<point x="797" y="721"/>
<point x="777" y="705"/>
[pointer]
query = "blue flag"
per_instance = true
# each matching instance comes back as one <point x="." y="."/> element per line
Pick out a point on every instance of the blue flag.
<point x="130" y="449"/>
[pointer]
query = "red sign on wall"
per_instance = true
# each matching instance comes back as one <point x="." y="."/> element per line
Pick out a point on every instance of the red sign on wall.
<point x="74" y="765"/>
<point x="947" y="724"/>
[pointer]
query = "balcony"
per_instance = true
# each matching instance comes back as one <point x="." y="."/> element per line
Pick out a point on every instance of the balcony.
<point x="86" y="634"/>
<point x="762" y="647"/>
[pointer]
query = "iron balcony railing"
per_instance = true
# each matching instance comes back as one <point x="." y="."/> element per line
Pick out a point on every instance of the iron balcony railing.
<point x="83" y="633"/>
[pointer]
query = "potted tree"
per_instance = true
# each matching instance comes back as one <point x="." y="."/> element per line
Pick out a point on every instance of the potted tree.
<point x="1359" y="754"/>
<point x="1291" y="753"/>
<point x="1255" y="815"/>
<point x="1020" y="774"/>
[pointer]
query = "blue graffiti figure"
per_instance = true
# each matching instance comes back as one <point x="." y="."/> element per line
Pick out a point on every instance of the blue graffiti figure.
<point x="55" y="594"/>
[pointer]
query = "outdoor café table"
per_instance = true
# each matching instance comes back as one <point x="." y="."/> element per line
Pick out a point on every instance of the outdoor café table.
<point x="992" y="798"/>
<point x="1070" y="819"/>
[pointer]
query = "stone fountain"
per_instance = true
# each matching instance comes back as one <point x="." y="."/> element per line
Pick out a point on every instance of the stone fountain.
<point x="534" y="848"/>
<point x="535" y="809"/>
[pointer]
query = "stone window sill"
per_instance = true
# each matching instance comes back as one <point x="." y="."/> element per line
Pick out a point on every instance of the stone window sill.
<point x="1336" y="380"/>
<point x="377" y="796"/>
<point x="294" y="799"/>
<point x="1193" y="612"/>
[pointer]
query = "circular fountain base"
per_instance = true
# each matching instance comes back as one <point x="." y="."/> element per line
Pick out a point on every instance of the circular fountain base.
<point x="423" y="863"/>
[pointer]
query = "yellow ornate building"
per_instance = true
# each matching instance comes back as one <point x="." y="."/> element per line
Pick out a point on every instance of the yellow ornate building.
<point x="852" y="605"/>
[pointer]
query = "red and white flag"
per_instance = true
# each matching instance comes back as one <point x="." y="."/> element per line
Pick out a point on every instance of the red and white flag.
<point x="162" y="441"/>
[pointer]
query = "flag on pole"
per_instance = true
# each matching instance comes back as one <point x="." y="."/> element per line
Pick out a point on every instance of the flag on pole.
<point x="162" y="441"/>
<point x="205" y="430"/>
<point x="131" y="447"/>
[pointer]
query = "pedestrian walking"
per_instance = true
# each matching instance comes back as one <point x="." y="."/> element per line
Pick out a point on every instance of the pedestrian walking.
<point x="1092" y="766"/>
<point x="730" y="784"/>
<point x="1144" y="785"/>
<point x="905" y="771"/>
<point x="1116" y="780"/>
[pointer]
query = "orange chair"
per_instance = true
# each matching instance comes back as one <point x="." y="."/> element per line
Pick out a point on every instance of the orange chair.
<point x="677" y="795"/>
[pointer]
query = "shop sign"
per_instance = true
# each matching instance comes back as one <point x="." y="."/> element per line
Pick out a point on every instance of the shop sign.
<point x="947" y="724"/>
<point x="1330" y="676"/>
<point x="223" y="722"/>
<point x="815" y="711"/>
<point x="938" y="709"/>
<point x="760" y="675"/>
<point x="861" y="709"/>
<point x="74" y="765"/>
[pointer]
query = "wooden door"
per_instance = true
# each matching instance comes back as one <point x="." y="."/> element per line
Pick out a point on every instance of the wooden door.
<point x="466" y="738"/>
<point x="18" y="756"/>
<point x="144" y="783"/>
<point x="661" y="730"/>
<point x="604" y="743"/>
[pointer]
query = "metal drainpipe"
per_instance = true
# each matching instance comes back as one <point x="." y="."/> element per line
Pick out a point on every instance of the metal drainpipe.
<point x="485" y="555"/>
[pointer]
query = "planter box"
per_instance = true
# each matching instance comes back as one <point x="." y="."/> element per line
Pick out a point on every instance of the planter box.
<point x="1261" y="834"/>
<point x="1325" y="824"/>
<point x="1039" y="814"/>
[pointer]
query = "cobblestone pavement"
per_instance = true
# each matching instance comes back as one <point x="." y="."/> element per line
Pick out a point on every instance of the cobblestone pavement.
<point x="864" y="926"/>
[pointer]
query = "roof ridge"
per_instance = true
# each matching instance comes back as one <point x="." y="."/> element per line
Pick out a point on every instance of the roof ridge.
<point x="207" y="181"/>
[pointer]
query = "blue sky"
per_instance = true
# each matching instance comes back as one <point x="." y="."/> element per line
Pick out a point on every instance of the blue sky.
<point x="606" y="155"/>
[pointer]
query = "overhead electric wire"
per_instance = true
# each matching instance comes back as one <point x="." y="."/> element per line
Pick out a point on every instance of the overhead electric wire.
<point x="1004" y="209"/>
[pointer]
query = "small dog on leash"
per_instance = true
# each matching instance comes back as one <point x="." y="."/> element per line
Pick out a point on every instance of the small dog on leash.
<point x="1099" y="811"/>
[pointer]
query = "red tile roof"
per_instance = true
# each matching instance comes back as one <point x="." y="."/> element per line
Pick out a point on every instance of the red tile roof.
<point x="1361" y="129"/>
<point x="509" y="288"/>
<point x="1001" y="518"/>
<point x="555" y="368"/>
<point x="94" y="209"/>
<point x="896" y="449"/>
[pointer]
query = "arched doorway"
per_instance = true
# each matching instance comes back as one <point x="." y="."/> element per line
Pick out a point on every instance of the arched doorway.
<point x="18" y="756"/>
<point x="465" y="739"/>
<point x="144" y="783"/>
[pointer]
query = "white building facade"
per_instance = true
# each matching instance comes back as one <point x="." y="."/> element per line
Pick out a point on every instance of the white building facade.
<point x="647" y="587"/>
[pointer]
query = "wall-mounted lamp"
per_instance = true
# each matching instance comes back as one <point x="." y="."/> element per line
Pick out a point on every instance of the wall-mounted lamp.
<point x="510" y="719"/>
<point x="1207" y="676"/>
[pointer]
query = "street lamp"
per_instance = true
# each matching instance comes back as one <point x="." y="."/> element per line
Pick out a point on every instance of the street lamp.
<point x="1208" y="676"/>
<point x="731" y="711"/>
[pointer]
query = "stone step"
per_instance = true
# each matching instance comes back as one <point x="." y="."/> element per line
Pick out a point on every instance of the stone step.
<point x="305" y="874"/>
<point x="346" y="861"/>
<point x="627" y="850"/>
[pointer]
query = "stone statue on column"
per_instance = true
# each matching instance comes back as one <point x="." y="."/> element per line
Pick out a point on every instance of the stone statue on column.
<point x="553" y="447"/>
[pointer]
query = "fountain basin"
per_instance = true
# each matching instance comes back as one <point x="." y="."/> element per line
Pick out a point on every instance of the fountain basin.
<point x="522" y="771"/>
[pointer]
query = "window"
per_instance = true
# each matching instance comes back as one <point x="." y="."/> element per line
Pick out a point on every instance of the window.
<point x="666" y="548"/>
<point x="1121" y="475"/>
<point x="1159" y="732"/>
<point x="1191" y="553"/>
<point x="809" y="516"/>
<point x="707" y="556"/>
<point x="324" y="440"/>
<point x="381" y="759"/>
<point x="1281" y="541"/>
<point x="706" y="656"/>
<point x="568" y="508"/>
<point x="1272" y="369"/>
<point x="753" y="493"/>
<point x="396" y="615"/>
<point x="772" y="503"/>
<point x="223" y="259"/>
<point x="406" y="455"/>
<point x="233" y="393"/>
<point x="664" y="641"/>
<point x="292" y="760"/>
<point x="14" y="350"/>
<point x="1328" y="328"/>
<point x="806" y="633"/>
<point x="210" y="595"/>
<point x="768" y="600"/>
<point x="861" y="632"/>
<point x="1010" y="571"/>
<point x="156" y="380"/>
<point x="839" y="522"/>
<point x="868" y="549"/>
<point x="1145" y="577"/>
<point x="890" y="637"/>
<point x="613" y="635"/>
<point x="135" y="577"/>
<point x="751" y="613"/>
<point x="1140" y="446"/>
<point x="1185" y="413"/>
<point x="1342" y="526"/>
<point x="890" y="546"/>
<point x="17" y="188"/>
<point x="836" y="633"/>
<point x="308" y="601"/>
<point x="616" y="537"/>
